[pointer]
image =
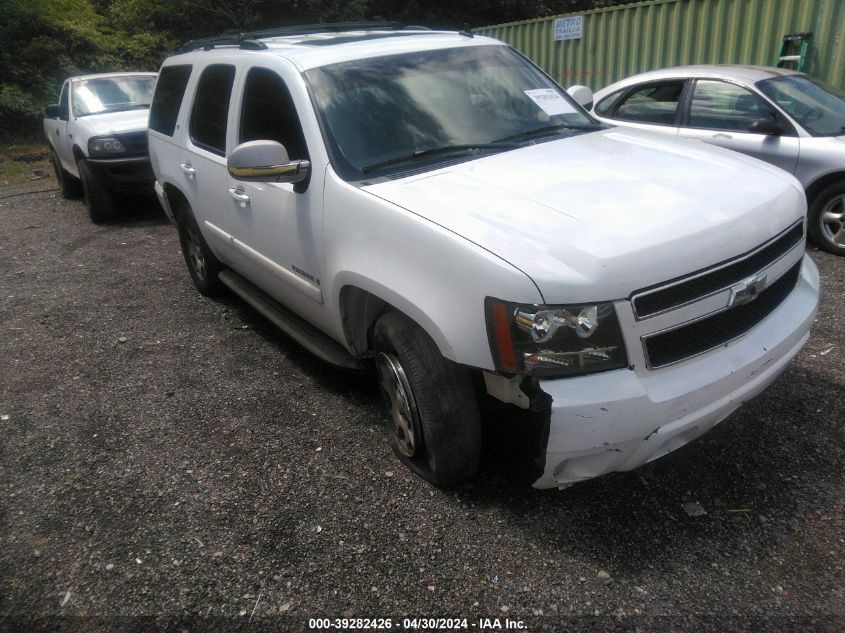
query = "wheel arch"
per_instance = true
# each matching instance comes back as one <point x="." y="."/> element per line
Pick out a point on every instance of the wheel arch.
<point x="362" y="302"/>
<point x="177" y="200"/>
<point x="821" y="183"/>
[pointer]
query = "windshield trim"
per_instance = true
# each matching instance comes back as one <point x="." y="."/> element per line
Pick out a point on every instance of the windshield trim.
<point x="352" y="175"/>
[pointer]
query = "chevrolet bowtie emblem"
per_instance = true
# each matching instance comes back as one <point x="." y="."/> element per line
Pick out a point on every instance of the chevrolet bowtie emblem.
<point x="747" y="290"/>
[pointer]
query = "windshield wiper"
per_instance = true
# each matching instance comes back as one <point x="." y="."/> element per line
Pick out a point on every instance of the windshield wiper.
<point x="438" y="151"/>
<point x="546" y="129"/>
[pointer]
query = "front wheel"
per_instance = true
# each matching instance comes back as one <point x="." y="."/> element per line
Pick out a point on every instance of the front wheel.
<point x="430" y="402"/>
<point x="99" y="201"/>
<point x="826" y="219"/>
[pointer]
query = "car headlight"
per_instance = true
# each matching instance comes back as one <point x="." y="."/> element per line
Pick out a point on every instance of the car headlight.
<point x="105" y="147"/>
<point x="554" y="340"/>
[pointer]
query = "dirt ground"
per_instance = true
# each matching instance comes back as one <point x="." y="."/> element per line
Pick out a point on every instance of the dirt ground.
<point x="169" y="462"/>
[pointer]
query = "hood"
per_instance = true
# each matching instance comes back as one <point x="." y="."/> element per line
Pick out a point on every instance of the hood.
<point x="117" y="122"/>
<point x="597" y="216"/>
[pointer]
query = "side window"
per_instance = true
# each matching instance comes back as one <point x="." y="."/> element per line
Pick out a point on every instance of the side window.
<point x="63" y="100"/>
<point x="268" y="113"/>
<point x="718" y="105"/>
<point x="211" y="108"/>
<point x="170" y="88"/>
<point x="604" y="107"/>
<point x="653" y="103"/>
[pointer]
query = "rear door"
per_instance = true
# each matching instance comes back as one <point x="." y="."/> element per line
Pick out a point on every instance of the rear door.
<point x="721" y="112"/>
<point x="653" y="106"/>
<point x="203" y="160"/>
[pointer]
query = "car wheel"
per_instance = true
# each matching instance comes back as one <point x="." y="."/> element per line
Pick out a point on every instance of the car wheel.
<point x="202" y="264"/>
<point x="100" y="202"/>
<point x="68" y="184"/>
<point x="826" y="218"/>
<point x="430" y="402"/>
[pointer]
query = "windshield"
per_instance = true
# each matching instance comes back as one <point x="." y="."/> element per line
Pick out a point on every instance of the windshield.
<point x="112" y="94"/>
<point x="816" y="106"/>
<point x="387" y="114"/>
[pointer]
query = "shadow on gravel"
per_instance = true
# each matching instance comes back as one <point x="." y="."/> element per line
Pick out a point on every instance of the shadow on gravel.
<point x="768" y="469"/>
<point x="139" y="211"/>
<point x="765" y="472"/>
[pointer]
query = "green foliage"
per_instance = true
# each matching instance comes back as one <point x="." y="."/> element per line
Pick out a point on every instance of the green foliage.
<point x="44" y="41"/>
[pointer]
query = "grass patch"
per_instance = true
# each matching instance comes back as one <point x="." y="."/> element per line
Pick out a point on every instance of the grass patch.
<point x="21" y="164"/>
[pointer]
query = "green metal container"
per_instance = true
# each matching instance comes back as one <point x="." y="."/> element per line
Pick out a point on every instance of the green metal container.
<point x="617" y="42"/>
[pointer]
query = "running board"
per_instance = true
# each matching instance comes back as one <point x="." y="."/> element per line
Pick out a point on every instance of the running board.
<point x="323" y="347"/>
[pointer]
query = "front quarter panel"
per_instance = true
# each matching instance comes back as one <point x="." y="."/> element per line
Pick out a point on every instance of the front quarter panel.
<point x="434" y="276"/>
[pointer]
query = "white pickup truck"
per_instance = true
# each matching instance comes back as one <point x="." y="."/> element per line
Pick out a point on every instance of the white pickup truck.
<point x="98" y="138"/>
<point x="432" y="204"/>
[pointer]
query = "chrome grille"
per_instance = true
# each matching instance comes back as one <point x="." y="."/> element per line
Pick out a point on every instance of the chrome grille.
<point x="700" y="336"/>
<point x="668" y="296"/>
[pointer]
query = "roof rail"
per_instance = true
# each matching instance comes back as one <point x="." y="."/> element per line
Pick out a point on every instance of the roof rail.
<point x="252" y="39"/>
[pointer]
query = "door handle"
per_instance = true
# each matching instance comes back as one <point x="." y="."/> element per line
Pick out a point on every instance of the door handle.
<point x="239" y="195"/>
<point x="188" y="169"/>
<point x="722" y="135"/>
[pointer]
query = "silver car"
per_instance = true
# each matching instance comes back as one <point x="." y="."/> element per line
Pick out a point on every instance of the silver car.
<point x="780" y="116"/>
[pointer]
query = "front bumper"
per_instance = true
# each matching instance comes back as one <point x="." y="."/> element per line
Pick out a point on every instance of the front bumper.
<point x="123" y="175"/>
<point x="619" y="420"/>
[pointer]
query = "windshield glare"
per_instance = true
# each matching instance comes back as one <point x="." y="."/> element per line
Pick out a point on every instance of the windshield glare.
<point x="380" y="109"/>
<point x="819" y="108"/>
<point x="111" y="94"/>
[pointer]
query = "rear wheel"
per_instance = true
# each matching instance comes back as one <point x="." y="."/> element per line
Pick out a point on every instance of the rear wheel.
<point x="826" y="219"/>
<point x="202" y="264"/>
<point x="99" y="201"/>
<point x="430" y="402"/>
<point x="68" y="184"/>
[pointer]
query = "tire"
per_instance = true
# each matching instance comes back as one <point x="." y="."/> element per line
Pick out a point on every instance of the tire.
<point x="100" y="202"/>
<point x="826" y="219"/>
<point x="69" y="185"/>
<point x="430" y="401"/>
<point x="202" y="264"/>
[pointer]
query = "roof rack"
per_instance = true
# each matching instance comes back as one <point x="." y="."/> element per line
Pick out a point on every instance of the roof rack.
<point x="251" y="40"/>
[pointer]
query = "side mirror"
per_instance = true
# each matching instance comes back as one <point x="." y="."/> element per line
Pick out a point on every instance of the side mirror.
<point x="765" y="126"/>
<point x="582" y="95"/>
<point x="53" y="112"/>
<point x="266" y="161"/>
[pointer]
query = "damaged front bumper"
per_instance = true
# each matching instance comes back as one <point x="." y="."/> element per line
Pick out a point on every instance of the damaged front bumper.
<point x="619" y="420"/>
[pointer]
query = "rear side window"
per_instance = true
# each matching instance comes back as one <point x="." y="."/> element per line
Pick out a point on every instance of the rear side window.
<point x="170" y="88"/>
<point x="269" y="114"/>
<point x="211" y="108"/>
<point x="655" y="103"/>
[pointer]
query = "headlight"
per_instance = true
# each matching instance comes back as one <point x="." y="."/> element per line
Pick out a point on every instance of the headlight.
<point x="554" y="340"/>
<point x="105" y="147"/>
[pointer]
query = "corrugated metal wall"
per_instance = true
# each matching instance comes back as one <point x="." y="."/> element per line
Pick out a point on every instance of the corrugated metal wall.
<point x="621" y="41"/>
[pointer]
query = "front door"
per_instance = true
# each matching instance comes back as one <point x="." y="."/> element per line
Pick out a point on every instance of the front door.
<point x="279" y="224"/>
<point x="720" y="113"/>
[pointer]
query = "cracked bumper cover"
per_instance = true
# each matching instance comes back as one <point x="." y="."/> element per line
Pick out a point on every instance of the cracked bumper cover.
<point x="619" y="420"/>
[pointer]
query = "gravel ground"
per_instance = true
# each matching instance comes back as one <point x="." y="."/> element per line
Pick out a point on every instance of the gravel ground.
<point x="171" y="462"/>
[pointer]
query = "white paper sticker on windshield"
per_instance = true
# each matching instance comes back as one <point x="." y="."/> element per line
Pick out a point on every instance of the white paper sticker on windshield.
<point x="550" y="101"/>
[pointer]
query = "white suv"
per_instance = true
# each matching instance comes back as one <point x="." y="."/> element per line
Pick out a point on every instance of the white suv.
<point x="433" y="204"/>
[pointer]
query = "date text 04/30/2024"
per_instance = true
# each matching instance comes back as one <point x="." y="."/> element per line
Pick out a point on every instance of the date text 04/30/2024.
<point x="417" y="624"/>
